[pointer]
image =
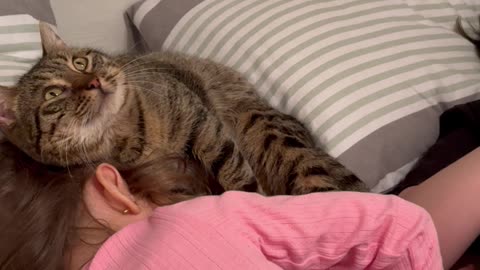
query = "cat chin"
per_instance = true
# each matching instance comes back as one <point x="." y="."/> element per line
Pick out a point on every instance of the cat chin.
<point x="92" y="132"/>
<point x="102" y="114"/>
<point x="111" y="103"/>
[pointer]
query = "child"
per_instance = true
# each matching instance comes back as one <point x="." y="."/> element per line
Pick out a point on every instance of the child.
<point x="106" y="219"/>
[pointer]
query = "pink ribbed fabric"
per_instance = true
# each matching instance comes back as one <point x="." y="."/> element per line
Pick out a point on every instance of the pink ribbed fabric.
<point x="342" y="230"/>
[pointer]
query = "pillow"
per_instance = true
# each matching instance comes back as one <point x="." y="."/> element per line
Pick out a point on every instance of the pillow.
<point x="39" y="9"/>
<point x="368" y="78"/>
<point x="20" y="45"/>
<point x="100" y="24"/>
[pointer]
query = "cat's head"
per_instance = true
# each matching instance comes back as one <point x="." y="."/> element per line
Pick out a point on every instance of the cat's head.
<point x="63" y="107"/>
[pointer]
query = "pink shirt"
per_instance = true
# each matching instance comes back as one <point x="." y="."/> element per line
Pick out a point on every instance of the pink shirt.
<point x="247" y="231"/>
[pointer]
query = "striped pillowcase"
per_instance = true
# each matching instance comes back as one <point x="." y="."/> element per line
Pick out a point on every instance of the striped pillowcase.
<point x="369" y="78"/>
<point x="20" y="45"/>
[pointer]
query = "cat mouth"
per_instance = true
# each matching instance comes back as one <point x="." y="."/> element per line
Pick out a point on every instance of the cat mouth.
<point x="99" y="107"/>
<point x="104" y="99"/>
<point x="99" y="84"/>
<point x="105" y="104"/>
<point x="102" y="90"/>
<point x="106" y="91"/>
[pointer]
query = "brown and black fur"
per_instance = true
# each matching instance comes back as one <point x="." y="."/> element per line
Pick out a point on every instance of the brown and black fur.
<point x="164" y="104"/>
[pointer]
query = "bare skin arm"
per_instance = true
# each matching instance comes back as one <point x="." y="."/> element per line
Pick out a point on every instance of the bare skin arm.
<point x="452" y="197"/>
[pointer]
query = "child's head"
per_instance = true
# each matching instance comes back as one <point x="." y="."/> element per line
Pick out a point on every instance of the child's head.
<point x="52" y="218"/>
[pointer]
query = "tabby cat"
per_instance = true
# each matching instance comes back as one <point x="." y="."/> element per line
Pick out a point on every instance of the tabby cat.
<point x="77" y="106"/>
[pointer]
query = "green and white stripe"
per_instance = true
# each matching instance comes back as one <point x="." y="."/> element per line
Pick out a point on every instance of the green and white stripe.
<point x="342" y="66"/>
<point x="20" y="46"/>
<point x="444" y="13"/>
<point x="356" y="72"/>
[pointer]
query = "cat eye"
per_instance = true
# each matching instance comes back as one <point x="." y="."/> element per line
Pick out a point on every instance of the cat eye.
<point x="80" y="63"/>
<point x="53" y="93"/>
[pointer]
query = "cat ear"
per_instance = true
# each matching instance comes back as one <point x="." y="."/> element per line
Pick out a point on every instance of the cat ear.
<point x="51" y="42"/>
<point x="7" y="114"/>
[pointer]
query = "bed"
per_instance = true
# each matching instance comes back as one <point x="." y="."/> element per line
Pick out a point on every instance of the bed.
<point x="369" y="78"/>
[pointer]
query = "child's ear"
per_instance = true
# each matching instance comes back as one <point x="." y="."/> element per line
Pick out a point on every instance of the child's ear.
<point x="51" y="42"/>
<point x="115" y="191"/>
<point x="7" y="108"/>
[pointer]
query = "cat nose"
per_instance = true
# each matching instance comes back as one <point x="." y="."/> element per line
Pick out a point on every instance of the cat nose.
<point x="94" y="84"/>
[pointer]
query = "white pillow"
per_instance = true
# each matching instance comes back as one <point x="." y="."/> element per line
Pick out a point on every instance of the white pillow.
<point x="20" y="46"/>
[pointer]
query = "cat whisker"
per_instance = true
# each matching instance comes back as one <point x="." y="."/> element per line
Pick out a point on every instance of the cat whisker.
<point x="127" y="68"/>
<point x="149" y="91"/>
<point x="62" y="142"/>
<point x="154" y="65"/>
<point x="121" y="69"/>
<point x="141" y="64"/>
<point x="146" y="72"/>
<point x="143" y="71"/>
<point x="66" y="141"/>
<point x="133" y="61"/>
<point x="143" y="88"/>
<point x="88" y="161"/>
<point x="143" y="81"/>
<point x="141" y="76"/>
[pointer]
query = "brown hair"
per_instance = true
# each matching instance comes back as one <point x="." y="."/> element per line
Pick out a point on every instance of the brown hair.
<point x="39" y="204"/>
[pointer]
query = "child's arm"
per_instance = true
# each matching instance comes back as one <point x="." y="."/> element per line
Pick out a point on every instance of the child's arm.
<point x="325" y="230"/>
<point x="452" y="199"/>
